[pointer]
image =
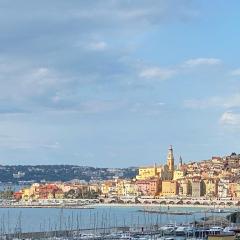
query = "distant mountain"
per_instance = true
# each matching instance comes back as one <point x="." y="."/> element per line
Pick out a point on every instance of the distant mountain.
<point x="39" y="173"/>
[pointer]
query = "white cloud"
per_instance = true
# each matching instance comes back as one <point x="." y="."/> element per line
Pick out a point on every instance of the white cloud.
<point x="100" y="106"/>
<point x="153" y="108"/>
<point x="231" y="101"/>
<point x="202" y="61"/>
<point x="230" y="118"/>
<point x="203" y="103"/>
<point x="40" y="81"/>
<point x="165" y="73"/>
<point x="13" y="142"/>
<point x="96" y="46"/>
<point x="157" y="73"/>
<point x="41" y="72"/>
<point x="235" y="72"/>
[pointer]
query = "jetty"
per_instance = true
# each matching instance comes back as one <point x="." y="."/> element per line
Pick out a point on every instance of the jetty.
<point x="167" y="212"/>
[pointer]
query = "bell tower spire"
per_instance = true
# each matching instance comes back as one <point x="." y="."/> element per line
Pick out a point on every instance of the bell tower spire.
<point x="180" y="163"/>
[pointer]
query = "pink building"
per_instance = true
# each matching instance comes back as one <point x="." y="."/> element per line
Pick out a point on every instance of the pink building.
<point x="149" y="187"/>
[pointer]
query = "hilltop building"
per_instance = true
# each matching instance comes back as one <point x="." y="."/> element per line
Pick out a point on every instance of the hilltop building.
<point x="180" y="172"/>
<point x="170" y="159"/>
<point x="164" y="172"/>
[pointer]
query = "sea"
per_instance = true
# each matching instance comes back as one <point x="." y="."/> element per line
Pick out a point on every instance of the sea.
<point x="51" y="219"/>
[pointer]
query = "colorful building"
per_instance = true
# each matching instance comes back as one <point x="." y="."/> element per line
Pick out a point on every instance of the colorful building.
<point x="196" y="187"/>
<point x="210" y="187"/>
<point x="149" y="187"/>
<point x="169" y="188"/>
<point x="184" y="187"/>
<point x="163" y="172"/>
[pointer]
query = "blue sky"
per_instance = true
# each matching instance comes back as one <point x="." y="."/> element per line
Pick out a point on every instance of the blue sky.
<point x="114" y="83"/>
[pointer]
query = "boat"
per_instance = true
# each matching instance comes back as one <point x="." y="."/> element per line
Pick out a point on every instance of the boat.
<point x="180" y="231"/>
<point x="169" y="238"/>
<point x="167" y="229"/>
<point x="216" y="210"/>
<point x="229" y="229"/>
<point x="165" y="238"/>
<point x="215" y="230"/>
<point x="190" y="230"/>
<point x="184" y="231"/>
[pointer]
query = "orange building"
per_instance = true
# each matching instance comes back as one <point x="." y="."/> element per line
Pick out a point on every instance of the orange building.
<point x="18" y="195"/>
<point x="47" y="191"/>
<point x="169" y="188"/>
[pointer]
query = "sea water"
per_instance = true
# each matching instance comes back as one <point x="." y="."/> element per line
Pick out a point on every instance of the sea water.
<point x="51" y="219"/>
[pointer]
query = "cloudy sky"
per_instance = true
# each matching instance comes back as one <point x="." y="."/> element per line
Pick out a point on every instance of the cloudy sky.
<point x="114" y="83"/>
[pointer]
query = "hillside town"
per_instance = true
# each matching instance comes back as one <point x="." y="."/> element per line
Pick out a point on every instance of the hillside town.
<point x="218" y="178"/>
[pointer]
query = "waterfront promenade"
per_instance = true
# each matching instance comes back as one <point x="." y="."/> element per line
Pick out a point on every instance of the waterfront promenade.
<point x="91" y="203"/>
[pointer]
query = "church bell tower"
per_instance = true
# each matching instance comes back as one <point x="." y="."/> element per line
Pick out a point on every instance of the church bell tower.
<point x="170" y="159"/>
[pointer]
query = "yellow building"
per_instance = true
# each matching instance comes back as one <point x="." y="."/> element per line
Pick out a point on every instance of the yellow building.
<point x="130" y="188"/>
<point x="210" y="187"/>
<point x="33" y="190"/>
<point x="147" y="172"/>
<point x="169" y="188"/>
<point x="163" y="172"/>
<point x="126" y="188"/>
<point x="178" y="174"/>
<point x="234" y="189"/>
<point x="50" y="196"/>
<point x="26" y="194"/>
<point x="94" y="187"/>
<point x="120" y="187"/>
<point x="109" y="188"/>
<point x="59" y="194"/>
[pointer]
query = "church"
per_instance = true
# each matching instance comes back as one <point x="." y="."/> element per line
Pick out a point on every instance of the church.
<point x="163" y="172"/>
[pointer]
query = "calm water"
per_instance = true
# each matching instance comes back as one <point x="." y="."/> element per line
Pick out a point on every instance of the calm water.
<point x="4" y="187"/>
<point x="45" y="219"/>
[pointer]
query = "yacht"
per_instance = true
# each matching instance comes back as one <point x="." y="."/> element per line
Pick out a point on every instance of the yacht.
<point x="229" y="229"/>
<point x="168" y="229"/>
<point x="215" y="230"/>
<point x="184" y="231"/>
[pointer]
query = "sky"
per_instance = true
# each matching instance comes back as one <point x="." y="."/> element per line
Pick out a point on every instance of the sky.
<point x="113" y="83"/>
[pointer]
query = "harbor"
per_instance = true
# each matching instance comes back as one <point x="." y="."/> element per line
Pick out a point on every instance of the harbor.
<point x="112" y="223"/>
<point x="164" y="232"/>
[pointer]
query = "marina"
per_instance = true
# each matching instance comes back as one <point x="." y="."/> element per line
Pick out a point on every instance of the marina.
<point x="111" y="223"/>
<point x="165" y="232"/>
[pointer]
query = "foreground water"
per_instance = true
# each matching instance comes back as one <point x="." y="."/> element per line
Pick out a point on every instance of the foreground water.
<point x="45" y="219"/>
